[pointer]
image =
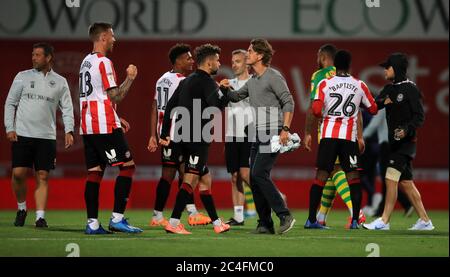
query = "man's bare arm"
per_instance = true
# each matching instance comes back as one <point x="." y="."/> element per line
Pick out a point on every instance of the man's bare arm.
<point x="153" y="119"/>
<point x="117" y="94"/>
<point x="359" y="133"/>
<point x="153" y="140"/>
<point x="359" y="126"/>
<point x="310" y="123"/>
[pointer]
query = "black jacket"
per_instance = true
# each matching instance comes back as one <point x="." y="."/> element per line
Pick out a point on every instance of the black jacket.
<point x="405" y="112"/>
<point x="198" y="87"/>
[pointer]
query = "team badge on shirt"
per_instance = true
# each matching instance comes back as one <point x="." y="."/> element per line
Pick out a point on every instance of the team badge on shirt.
<point x="111" y="78"/>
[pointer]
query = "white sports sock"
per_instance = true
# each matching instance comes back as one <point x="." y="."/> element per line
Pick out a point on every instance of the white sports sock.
<point x="321" y="217"/>
<point x="351" y="212"/>
<point x="158" y="215"/>
<point x="22" y="206"/>
<point x="239" y="213"/>
<point x="40" y="214"/>
<point x="191" y="209"/>
<point x="174" y="222"/>
<point x="116" y="217"/>
<point x="93" y="223"/>
<point x="217" y="222"/>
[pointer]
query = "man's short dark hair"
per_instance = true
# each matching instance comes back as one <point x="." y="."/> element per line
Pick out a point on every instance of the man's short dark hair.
<point x="328" y="49"/>
<point x="97" y="28"/>
<point x="342" y="60"/>
<point x="48" y="49"/>
<point x="263" y="47"/>
<point x="204" y="51"/>
<point x="178" y="50"/>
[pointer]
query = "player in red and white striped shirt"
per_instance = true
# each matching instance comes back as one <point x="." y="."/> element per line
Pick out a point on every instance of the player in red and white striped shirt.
<point x="339" y="97"/>
<point x="101" y="129"/>
<point x="337" y="102"/>
<point x="171" y="157"/>
<point x="98" y="115"/>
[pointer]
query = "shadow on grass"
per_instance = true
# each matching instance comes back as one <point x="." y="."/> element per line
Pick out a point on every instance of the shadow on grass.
<point x="62" y="229"/>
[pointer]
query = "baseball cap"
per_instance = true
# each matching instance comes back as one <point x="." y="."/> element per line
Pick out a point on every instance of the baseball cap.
<point x="394" y="59"/>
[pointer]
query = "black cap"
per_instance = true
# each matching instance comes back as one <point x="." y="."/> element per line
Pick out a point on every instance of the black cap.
<point x="394" y="59"/>
<point x="399" y="63"/>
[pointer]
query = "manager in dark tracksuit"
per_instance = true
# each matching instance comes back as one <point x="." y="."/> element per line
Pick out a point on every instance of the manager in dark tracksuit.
<point x="402" y="100"/>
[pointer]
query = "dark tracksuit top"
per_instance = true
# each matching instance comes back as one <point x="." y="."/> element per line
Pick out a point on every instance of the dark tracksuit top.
<point x="198" y="86"/>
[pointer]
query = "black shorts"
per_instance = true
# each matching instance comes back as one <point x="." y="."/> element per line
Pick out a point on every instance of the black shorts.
<point x="329" y="149"/>
<point x="195" y="156"/>
<point x="29" y="152"/>
<point x="106" y="149"/>
<point x="402" y="163"/>
<point x="237" y="155"/>
<point x="171" y="155"/>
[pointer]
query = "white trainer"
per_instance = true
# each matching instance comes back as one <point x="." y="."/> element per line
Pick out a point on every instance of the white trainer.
<point x="377" y="224"/>
<point x="422" y="225"/>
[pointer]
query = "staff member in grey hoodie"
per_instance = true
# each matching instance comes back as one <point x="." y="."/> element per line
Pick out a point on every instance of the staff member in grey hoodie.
<point x="30" y="122"/>
<point x="274" y="106"/>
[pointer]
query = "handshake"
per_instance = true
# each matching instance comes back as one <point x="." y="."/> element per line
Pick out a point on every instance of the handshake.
<point x="292" y="144"/>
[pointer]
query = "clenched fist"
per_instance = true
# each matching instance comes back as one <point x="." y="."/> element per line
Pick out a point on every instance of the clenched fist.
<point x="131" y="72"/>
<point x="225" y="83"/>
<point x="307" y="142"/>
<point x="11" y="136"/>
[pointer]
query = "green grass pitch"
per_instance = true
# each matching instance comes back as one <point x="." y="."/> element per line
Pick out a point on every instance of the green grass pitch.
<point x="68" y="226"/>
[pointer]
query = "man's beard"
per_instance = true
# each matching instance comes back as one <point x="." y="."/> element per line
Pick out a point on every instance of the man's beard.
<point x="38" y="67"/>
<point x="214" y="72"/>
<point x="250" y="64"/>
